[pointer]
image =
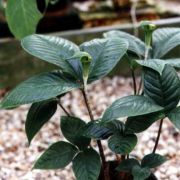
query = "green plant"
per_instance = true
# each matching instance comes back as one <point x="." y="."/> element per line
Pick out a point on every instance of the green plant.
<point x="23" y="16"/>
<point x="79" y="66"/>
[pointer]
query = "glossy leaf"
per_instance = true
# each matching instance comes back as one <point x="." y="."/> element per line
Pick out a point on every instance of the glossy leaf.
<point x="127" y="165"/>
<point x="140" y="173"/>
<point x="174" y="117"/>
<point x="96" y="130"/>
<point x="139" y="124"/>
<point x="116" y="126"/>
<point x="122" y="144"/>
<point x="158" y="64"/>
<point x="164" y="89"/>
<point x="87" y="165"/>
<point x="135" y="44"/>
<point x="173" y="62"/>
<point x="71" y="128"/>
<point x="52" y="49"/>
<point x="22" y="17"/>
<point x="105" y="53"/>
<point x="164" y="40"/>
<point x="155" y="64"/>
<point x="38" y="88"/>
<point x="130" y="106"/>
<point x="152" y="160"/>
<point x="38" y="115"/>
<point x="58" y="155"/>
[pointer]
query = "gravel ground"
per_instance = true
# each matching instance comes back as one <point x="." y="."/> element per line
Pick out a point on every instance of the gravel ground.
<point x="16" y="158"/>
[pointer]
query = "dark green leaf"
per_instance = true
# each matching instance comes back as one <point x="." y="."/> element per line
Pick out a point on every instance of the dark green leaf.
<point x="71" y="128"/>
<point x="105" y="54"/>
<point x="173" y="62"/>
<point x="155" y="64"/>
<point x="164" y="89"/>
<point x="135" y="44"/>
<point x="96" y="130"/>
<point x="38" y="115"/>
<point x="122" y="144"/>
<point x="152" y="160"/>
<point x="22" y="17"/>
<point x="140" y="173"/>
<point x="164" y="40"/>
<point x="127" y="165"/>
<point x="130" y="106"/>
<point x="138" y="124"/>
<point x="158" y="64"/>
<point x="58" y="155"/>
<point x="87" y="165"/>
<point x="115" y="126"/>
<point x="39" y="88"/>
<point x="52" y="49"/>
<point x="174" y="117"/>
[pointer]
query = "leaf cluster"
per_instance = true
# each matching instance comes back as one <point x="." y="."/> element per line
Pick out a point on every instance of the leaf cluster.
<point x="79" y="66"/>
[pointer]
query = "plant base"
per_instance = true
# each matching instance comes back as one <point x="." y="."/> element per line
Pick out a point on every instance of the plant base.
<point x="115" y="175"/>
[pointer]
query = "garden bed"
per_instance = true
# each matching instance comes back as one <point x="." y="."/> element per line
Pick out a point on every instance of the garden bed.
<point x="16" y="158"/>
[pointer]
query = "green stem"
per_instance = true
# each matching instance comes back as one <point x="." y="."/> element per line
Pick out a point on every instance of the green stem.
<point x="158" y="136"/>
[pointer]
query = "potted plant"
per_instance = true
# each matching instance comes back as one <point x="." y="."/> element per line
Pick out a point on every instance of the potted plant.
<point x="156" y="98"/>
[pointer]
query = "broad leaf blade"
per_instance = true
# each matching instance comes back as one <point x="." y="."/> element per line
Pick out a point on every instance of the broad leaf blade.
<point x="140" y="173"/>
<point x="153" y="160"/>
<point x="71" y="128"/>
<point x="173" y="62"/>
<point x="58" y="155"/>
<point x="38" y="88"/>
<point x="22" y="17"/>
<point x="116" y="126"/>
<point x="158" y="64"/>
<point x="87" y="165"/>
<point x="164" y="40"/>
<point x="38" y="115"/>
<point x="122" y="144"/>
<point x="139" y="124"/>
<point x="130" y="106"/>
<point x="96" y="130"/>
<point x="105" y="53"/>
<point x="135" y="44"/>
<point x="127" y="165"/>
<point x="164" y="89"/>
<point x="155" y="64"/>
<point x="52" y="49"/>
<point x="174" y="117"/>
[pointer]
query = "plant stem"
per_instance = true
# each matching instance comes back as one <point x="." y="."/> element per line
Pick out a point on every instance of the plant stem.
<point x="145" y="59"/>
<point x="87" y="104"/>
<point x="98" y="141"/>
<point x="63" y="108"/>
<point x="140" y="85"/>
<point x="146" y="52"/>
<point x="134" y="18"/>
<point x="158" y="136"/>
<point x="134" y="81"/>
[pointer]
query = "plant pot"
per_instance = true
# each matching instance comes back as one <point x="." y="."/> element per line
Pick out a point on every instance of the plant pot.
<point x="115" y="175"/>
